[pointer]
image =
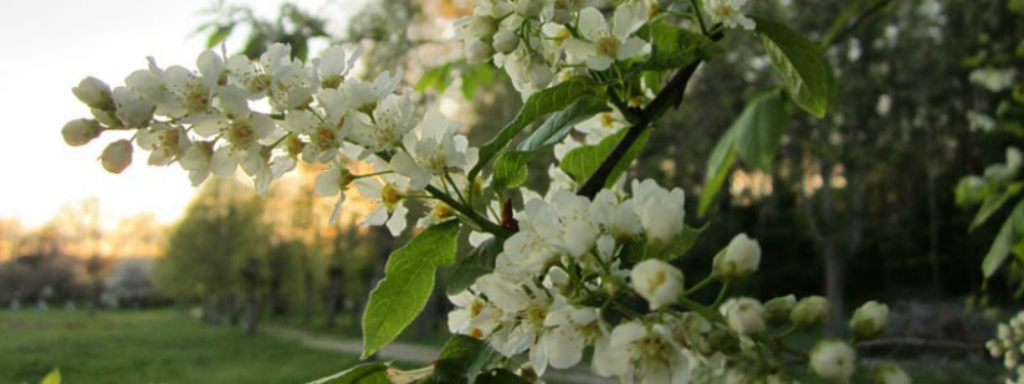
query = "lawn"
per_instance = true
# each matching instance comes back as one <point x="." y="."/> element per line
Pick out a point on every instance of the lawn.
<point x="149" y="347"/>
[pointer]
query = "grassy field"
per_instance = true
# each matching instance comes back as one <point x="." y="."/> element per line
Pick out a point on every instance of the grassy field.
<point x="149" y="347"/>
<point x="168" y="347"/>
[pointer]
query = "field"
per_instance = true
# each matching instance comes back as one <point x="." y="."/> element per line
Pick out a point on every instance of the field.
<point x="165" y="346"/>
<point x="149" y="347"/>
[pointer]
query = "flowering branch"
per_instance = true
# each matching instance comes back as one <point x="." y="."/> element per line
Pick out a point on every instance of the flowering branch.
<point x="670" y="97"/>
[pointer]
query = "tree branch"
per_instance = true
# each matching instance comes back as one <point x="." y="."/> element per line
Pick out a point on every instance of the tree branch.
<point x="669" y="98"/>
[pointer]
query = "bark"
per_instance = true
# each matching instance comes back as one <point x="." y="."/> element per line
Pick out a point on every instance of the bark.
<point x="934" y="223"/>
<point x="334" y="297"/>
<point x="252" y="313"/>
<point x="232" y="309"/>
<point x="834" y="273"/>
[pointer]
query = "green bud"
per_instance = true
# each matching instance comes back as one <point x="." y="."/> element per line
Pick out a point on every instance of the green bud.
<point x="809" y="312"/>
<point x="889" y="374"/>
<point x="869" y="321"/>
<point x="777" y="310"/>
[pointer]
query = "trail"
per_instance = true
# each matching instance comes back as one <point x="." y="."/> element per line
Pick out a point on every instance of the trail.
<point x="419" y="354"/>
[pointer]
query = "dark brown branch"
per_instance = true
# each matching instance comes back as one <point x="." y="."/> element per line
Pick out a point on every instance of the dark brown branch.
<point x="669" y="98"/>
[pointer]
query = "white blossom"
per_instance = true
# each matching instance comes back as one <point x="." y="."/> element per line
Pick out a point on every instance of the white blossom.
<point x="744" y="315"/>
<point x="833" y="360"/>
<point x="728" y="12"/>
<point x="601" y="46"/>
<point x="332" y="182"/>
<point x="740" y="259"/>
<point x="658" y="282"/>
<point x="434" y="151"/>
<point x="661" y="211"/>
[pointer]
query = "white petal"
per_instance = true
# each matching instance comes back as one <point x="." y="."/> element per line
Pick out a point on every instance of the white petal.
<point x="369" y="187"/>
<point x="599" y="63"/>
<point x="629" y="17"/>
<point x="631" y="48"/>
<point x="592" y="25"/>
<point x="398" y="222"/>
<point x="626" y="334"/>
<point x="327" y="183"/>
<point x="225" y="160"/>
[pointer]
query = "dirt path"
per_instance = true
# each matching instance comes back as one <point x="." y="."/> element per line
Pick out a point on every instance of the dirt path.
<point x="412" y="353"/>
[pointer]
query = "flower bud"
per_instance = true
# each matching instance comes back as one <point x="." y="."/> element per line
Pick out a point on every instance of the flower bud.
<point x="776" y="311"/>
<point x="540" y="74"/>
<point x="475" y="27"/>
<point x="738" y="260"/>
<point x="117" y="156"/>
<point x="833" y="360"/>
<point x="505" y="41"/>
<point x="744" y="315"/>
<point x="81" y="131"/>
<point x="94" y="93"/>
<point x="478" y="51"/>
<point x="809" y="312"/>
<point x="658" y="282"/>
<point x="869" y="320"/>
<point x="529" y="9"/>
<point x="889" y="374"/>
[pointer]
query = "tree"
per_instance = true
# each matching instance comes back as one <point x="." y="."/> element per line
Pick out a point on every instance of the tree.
<point x="217" y="254"/>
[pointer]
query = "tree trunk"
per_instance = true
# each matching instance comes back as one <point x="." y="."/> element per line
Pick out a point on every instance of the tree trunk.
<point x="252" y="313"/>
<point x="933" y="214"/>
<point x="308" y="276"/>
<point x="334" y="300"/>
<point x="233" y="310"/>
<point x="834" y="271"/>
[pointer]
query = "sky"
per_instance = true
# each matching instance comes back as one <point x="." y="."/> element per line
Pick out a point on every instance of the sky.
<point x="49" y="47"/>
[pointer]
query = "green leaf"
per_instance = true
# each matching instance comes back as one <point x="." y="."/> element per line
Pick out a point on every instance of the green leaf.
<point x="683" y="243"/>
<point x="475" y="76"/>
<point x="438" y="78"/>
<point x="550" y="100"/>
<point x="993" y="203"/>
<point x="369" y="373"/>
<point x="461" y="360"/>
<point x="408" y="281"/>
<point x="1003" y="242"/>
<point x="479" y="262"/>
<point x="558" y="126"/>
<point x="759" y="129"/>
<point x="52" y="378"/>
<point x="580" y="163"/>
<point x="510" y="170"/>
<point x="801" y="64"/>
<point x="638" y="250"/>
<point x="222" y="32"/>
<point x="672" y="47"/>
<point x="719" y="165"/>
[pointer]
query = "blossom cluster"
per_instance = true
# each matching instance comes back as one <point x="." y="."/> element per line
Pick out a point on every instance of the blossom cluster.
<point x="207" y="121"/>
<point x="533" y="40"/>
<point x="1009" y="346"/>
<point x="540" y="42"/>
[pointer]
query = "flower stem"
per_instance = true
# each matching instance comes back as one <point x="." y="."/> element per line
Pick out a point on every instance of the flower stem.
<point x="699" y="286"/>
<point x="721" y="294"/>
<point x="470" y="214"/>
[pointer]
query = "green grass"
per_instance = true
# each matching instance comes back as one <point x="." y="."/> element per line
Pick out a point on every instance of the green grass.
<point x="345" y="329"/>
<point x="150" y="347"/>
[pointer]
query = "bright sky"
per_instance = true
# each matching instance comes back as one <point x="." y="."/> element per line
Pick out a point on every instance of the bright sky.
<point x="51" y="45"/>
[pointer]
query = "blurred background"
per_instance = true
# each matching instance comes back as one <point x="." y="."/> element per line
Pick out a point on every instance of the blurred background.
<point x="140" y="277"/>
